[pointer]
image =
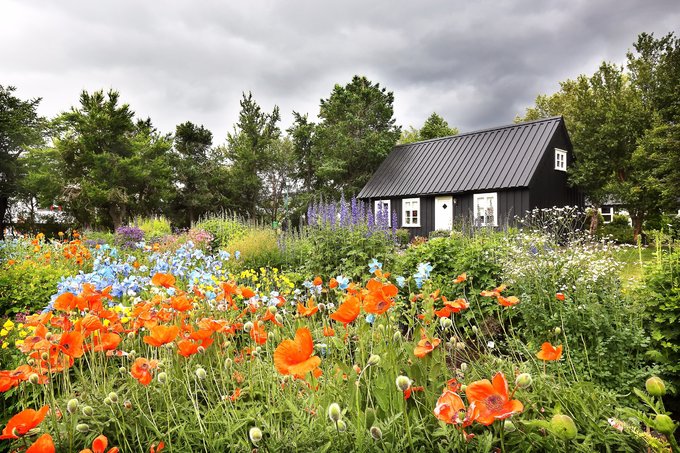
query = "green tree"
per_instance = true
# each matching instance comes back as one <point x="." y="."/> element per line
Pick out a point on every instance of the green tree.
<point x="113" y="167"/>
<point x="248" y="150"/>
<point x="434" y="127"/>
<point x="20" y="128"/>
<point x="356" y="132"/>
<point x="302" y="135"/>
<point x="278" y="179"/>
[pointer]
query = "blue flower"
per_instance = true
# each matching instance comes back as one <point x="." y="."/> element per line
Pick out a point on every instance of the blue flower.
<point x="401" y="281"/>
<point x="370" y="318"/>
<point x="343" y="282"/>
<point x="374" y="265"/>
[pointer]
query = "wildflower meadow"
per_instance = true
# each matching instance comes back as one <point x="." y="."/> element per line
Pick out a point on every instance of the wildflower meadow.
<point x="342" y="335"/>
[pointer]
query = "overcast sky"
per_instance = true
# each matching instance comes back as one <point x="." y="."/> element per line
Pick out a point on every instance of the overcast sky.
<point x="477" y="63"/>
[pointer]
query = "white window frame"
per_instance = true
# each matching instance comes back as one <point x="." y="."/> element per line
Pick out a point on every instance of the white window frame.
<point x="560" y="159"/>
<point x="494" y="207"/>
<point x="407" y="220"/>
<point x="610" y="214"/>
<point x="387" y="203"/>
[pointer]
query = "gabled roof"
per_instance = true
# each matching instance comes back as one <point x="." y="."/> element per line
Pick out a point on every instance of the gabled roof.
<point x="498" y="158"/>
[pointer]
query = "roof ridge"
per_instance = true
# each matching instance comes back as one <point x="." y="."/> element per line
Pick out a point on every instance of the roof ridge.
<point x="478" y="131"/>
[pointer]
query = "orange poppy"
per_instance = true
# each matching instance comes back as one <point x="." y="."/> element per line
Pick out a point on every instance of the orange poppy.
<point x="161" y="335"/>
<point x="491" y="400"/>
<point x="507" y="301"/>
<point x="141" y="370"/>
<point x="308" y="310"/>
<point x="449" y="407"/>
<point x="549" y="352"/>
<point x="236" y="395"/>
<point x="181" y="303"/>
<point x="44" y="444"/>
<point x="71" y="344"/>
<point x="347" y="311"/>
<point x="333" y="283"/>
<point x="23" y="422"/>
<point x="461" y="278"/>
<point x="156" y="449"/>
<point x="247" y="293"/>
<point x="443" y="312"/>
<point x="106" y="342"/>
<point x="294" y="357"/>
<point x="425" y="346"/>
<point x="317" y="281"/>
<point x="164" y="280"/>
<point x="408" y="391"/>
<point x="269" y="316"/>
<point x="99" y="445"/>
<point x="258" y="333"/>
<point x="328" y="331"/>
<point x="187" y="348"/>
<point x="493" y="293"/>
<point x="457" y="305"/>
<point x="559" y="296"/>
<point x="379" y="296"/>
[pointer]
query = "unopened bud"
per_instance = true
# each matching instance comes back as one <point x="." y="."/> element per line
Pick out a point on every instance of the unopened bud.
<point x="30" y="362"/>
<point x="127" y="404"/>
<point x="162" y="377"/>
<point x="122" y="370"/>
<point x="655" y="386"/>
<point x="322" y="307"/>
<point x="48" y="335"/>
<point x="247" y="327"/>
<point x="403" y="383"/>
<point x="396" y="337"/>
<point x="557" y="330"/>
<point x="227" y="362"/>
<point x="87" y="411"/>
<point x="341" y="426"/>
<point x="272" y="309"/>
<point x="334" y="412"/>
<point x="271" y="336"/>
<point x="373" y="360"/>
<point x="564" y="426"/>
<point x="201" y="374"/>
<point x="524" y="380"/>
<point x="445" y="323"/>
<point x="463" y="366"/>
<point x="664" y="424"/>
<point x="108" y="401"/>
<point x="72" y="405"/>
<point x="376" y="433"/>
<point x="44" y="356"/>
<point x="509" y="426"/>
<point x="113" y="396"/>
<point x="34" y="378"/>
<point x="279" y="318"/>
<point x="200" y="349"/>
<point x="82" y="427"/>
<point x="255" y="434"/>
<point x="130" y="335"/>
<point x="460" y="346"/>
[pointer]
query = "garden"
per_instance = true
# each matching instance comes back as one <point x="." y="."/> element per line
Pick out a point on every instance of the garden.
<point x="342" y="335"/>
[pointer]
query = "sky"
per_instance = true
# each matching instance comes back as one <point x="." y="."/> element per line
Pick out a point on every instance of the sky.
<point x="476" y="63"/>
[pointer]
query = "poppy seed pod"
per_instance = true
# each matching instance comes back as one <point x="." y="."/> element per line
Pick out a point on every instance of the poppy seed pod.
<point x="82" y="427"/>
<point x="403" y="383"/>
<point x="201" y="374"/>
<point x="247" y="327"/>
<point x="564" y="426"/>
<point x="524" y="380"/>
<point x="334" y="412"/>
<point x="87" y="411"/>
<point x="72" y="405"/>
<point x="255" y="434"/>
<point x="655" y="386"/>
<point x="162" y="377"/>
<point x="376" y="433"/>
<point x="113" y="396"/>
<point x="373" y="360"/>
<point x="664" y="424"/>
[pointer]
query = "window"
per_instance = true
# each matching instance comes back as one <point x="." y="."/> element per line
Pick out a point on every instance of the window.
<point x="560" y="159"/>
<point x="382" y="208"/>
<point x="485" y="207"/>
<point x="607" y="214"/>
<point x="410" y="208"/>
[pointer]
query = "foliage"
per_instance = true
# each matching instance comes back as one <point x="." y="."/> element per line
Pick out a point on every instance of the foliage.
<point x="257" y="247"/>
<point x="660" y="298"/>
<point x="434" y="127"/>
<point x="223" y="228"/>
<point x="618" y="230"/>
<point x="20" y="128"/>
<point x="154" y="228"/>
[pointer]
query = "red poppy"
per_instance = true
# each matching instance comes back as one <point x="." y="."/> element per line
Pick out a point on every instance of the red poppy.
<point x="559" y="296"/>
<point x="164" y="280"/>
<point x="161" y="335"/>
<point x="491" y="400"/>
<point x="308" y="310"/>
<point x="141" y="370"/>
<point x="425" y="346"/>
<point x="549" y="352"/>
<point x="71" y="344"/>
<point x="294" y="357"/>
<point x="408" y="391"/>
<point x="23" y="422"/>
<point x="44" y="444"/>
<point x="347" y="311"/>
<point x="156" y="449"/>
<point x="379" y="296"/>
<point x="99" y="445"/>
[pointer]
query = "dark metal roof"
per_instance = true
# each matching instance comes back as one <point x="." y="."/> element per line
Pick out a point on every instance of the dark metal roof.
<point x="498" y="158"/>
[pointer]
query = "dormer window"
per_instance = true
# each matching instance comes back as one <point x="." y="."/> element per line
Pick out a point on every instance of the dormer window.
<point x="560" y="159"/>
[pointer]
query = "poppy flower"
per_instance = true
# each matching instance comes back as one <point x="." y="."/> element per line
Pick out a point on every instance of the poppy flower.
<point x="247" y="293"/>
<point x="269" y="316"/>
<point x="294" y="357"/>
<point x="425" y="346"/>
<point x="181" y="303"/>
<point x="258" y="333"/>
<point x="347" y="311"/>
<point x="99" y="445"/>
<point x="106" y="342"/>
<point x="461" y="278"/>
<point x="71" y="344"/>
<point x="23" y="422"/>
<point x="411" y="389"/>
<point x="333" y="283"/>
<point x="308" y="310"/>
<point x="457" y="305"/>
<point x="549" y="352"/>
<point x="559" y="296"/>
<point x="236" y="395"/>
<point x="44" y="444"/>
<point x="379" y="297"/>
<point x="491" y="400"/>
<point x="141" y="370"/>
<point x="507" y="301"/>
<point x="493" y="293"/>
<point x="328" y="331"/>
<point x="187" y="348"/>
<point x="443" y="312"/>
<point x="164" y="280"/>
<point x="156" y="449"/>
<point x="317" y="281"/>
<point x="161" y="335"/>
<point x="448" y="407"/>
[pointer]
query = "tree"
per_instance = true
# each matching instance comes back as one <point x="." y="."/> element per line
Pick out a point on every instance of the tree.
<point x="302" y="135"/>
<point x="113" y="167"/>
<point x="278" y="178"/>
<point x="434" y="127"/>
<point x="356" y="132"/>
<point x="20" y="128"/>
<point x="248" y="151"/>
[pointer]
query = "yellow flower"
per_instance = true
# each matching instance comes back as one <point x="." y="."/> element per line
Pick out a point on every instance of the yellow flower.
<point x="23" y="334"/>
<point x="8" y="324"/>
<point x="21" y="325"/>
<point x="18" y="343"/>
<point x="125" y="320"/>
<point x="4" y="332"/>
<point x="106" y="323"/>
<point x="4" y="345"/>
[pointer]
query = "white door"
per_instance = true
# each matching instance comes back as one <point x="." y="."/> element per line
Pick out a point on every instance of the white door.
<point x="443" y="213"/>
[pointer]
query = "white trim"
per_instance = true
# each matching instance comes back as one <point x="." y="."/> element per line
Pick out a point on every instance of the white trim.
<point x="560" y="159"/>
<point x="407" y="221"/>
<point x="491" y="210"/>
<point x="376" y="204"/>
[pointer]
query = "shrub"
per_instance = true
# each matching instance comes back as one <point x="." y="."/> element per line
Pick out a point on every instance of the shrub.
<point x="224" y="229"/>
<point x="618" y="230"/>
<point x="27" y="285"/>
<point x="154" y="228"/>
<point x="258" y="247"/>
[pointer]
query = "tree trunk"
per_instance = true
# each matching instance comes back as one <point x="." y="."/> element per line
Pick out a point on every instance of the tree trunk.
<point x="595" y="220"/>
<point x="4" y="203"/>
<point x="117" y="214"/>
<point x="637" y="226"/>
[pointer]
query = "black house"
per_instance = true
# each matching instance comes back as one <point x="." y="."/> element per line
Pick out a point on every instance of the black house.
<point x="484" y="178"/>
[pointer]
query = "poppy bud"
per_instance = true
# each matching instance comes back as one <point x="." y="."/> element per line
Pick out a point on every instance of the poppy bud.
<point x="322" y="307"/>
<point x="72" y="405"/>
<point x="445" y="323"/>
<point x="113" y="396"/>
<point x="369" y="414"/>
<point x="376" y="432"/>
<point x="87" y="411"/>
<point x="524" y="380"/>
<point x="655" y="386"/>
<point x="474" y="329"/>
<point x="403" y="383"/>
<point x="201" y="374"/>
<point x="271" y="336"/>
<point x="341" y="426"/>
<point x="509" y="426"/>
<point x="463" y="366"/>
<point x="122" y="370"/>
<point x="44" y="356"/>
<point x="132" y="353"/>
<point x="255" y="434"/>
<point x="564" y="426"/>
<point x="30" y="362"/>
<point x="82" y="427"/>
<point x="16" y="433"/>
<point x="373" y="360"/>
<point x="460" y="346"/>
<point x="279" y="318"/>
<point x="272" y="309"/>
<point x="258" y="349"/>
<point x="381" y="327"/>
<point x="396" y="337"/>
<point x="557" y="330"/>
<point x="247" y="327"/>
<point x="34" y="378"/>
<point x="127" y="404"/>
<point x="334" y="412"/>
<point x="162" y="377"/>
<point x="48" y="335"/>
<point x="130" y="335"/>
<point x="108" y="401"/>
<point x="227" y="362"/>
<point x="200" y="349"/>
<point x="664" y="424"/>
